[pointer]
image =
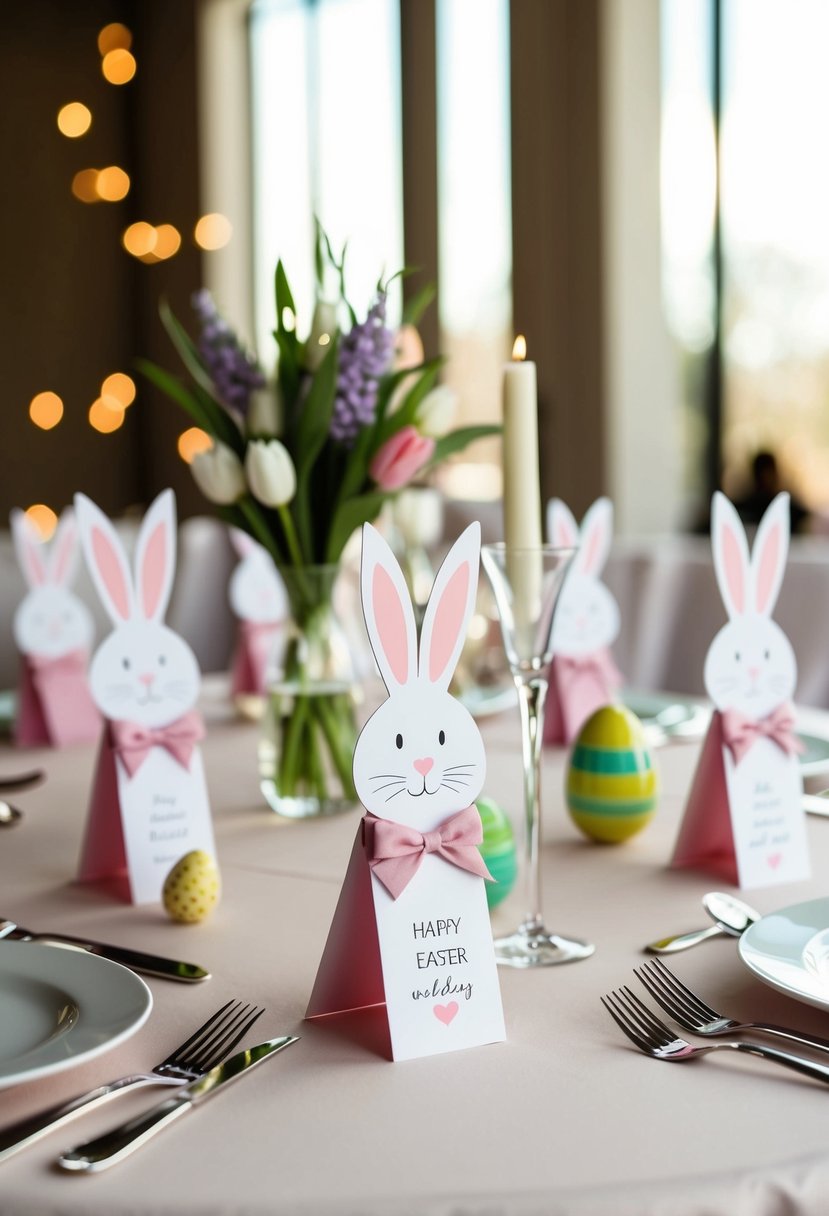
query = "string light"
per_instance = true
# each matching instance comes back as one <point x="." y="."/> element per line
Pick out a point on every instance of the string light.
<point x="43" y="519"/>
<point x="139" y="239"/>
<point x="112" y="184"/>
<point x="85" y="185"/>
<point x="213" y="231"/>
<point x="191" y="442"/>
<point x="167" y="243"/>
<point x="120" y="387"/>
<point x="118" y="66"/>
<point x="114" y="37"/>
<point x="106" y="415"/>
<point x="46" y="410"/>
<point x="74" y="119"/>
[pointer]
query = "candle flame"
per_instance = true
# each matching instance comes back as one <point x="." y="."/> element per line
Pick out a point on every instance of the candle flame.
<point x="519" y="349"/>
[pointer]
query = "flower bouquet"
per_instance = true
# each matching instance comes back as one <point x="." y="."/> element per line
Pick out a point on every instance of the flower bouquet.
<point x="300" y="463"/>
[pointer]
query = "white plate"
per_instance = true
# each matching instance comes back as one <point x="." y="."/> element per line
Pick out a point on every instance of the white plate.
<point x="789" y="950"/>
<point x="60" y="1007"/>
<point x="666" y="717"/>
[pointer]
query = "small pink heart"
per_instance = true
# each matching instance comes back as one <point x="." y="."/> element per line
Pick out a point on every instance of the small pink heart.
<point x="774" y="860"/>
<point x="445" y="1013"/>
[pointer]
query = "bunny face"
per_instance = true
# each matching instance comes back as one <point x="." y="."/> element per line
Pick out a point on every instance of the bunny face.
<point x="143" y="672"/>
<point x="50" y="621"/>
<point x="257" y="593"/>
<point x="420" y="757"/>
<point x="587" y="615"/>
<point x="750" y="665"/>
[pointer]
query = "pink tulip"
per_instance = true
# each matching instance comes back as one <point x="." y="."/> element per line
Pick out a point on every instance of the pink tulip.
<point x="400" y="458"/>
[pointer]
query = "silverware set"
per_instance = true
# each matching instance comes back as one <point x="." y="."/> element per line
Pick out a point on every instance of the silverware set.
<point x="655" y="1038"/>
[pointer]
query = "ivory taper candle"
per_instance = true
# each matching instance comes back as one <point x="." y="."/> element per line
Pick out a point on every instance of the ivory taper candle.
<point x="522" y="490"/>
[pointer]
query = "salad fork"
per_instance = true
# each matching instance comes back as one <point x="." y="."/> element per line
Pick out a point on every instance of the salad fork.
<point x="204" y="1049"/>
<point x="656" y="1039"/>
<point x="690" y="1011"/>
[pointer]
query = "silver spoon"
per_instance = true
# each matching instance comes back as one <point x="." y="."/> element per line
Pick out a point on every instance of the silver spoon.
<point x="730" y="916"/>
<point x="9" y="815"/>
<point x="22" y="781"/>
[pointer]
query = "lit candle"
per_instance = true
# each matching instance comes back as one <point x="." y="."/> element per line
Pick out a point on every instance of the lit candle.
<point x="522" y="490"/>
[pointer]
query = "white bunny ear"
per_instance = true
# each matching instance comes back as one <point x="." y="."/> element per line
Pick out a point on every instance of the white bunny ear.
<point x="562" y="529"/>
<point x="596" y="537"/>
<point x="29" y="549"/>
<point x="450" y="606"/>
<point x="155" y="557"/>
<point x="105" y="559"/>
<point x="64" y="551"/>
<point x="768" y="557"/>
<point x="244" y="545"/>
<point x="387" y="607"/>
<point x="730" y="549"/>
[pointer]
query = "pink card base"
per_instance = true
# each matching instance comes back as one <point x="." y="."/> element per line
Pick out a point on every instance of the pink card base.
<point x="567" y="709"/>
<point x="706" y="840"/>
<point x="103" y="854"/>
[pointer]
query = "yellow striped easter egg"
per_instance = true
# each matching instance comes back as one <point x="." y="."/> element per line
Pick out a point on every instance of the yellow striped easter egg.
<point x="612" y="785"/>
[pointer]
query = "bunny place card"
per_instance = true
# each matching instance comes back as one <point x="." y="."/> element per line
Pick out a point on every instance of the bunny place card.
<point x="583" y="675"/>
<point x="53" y="631"/>
<point x="411" y="930"/>
<point x="744" y="818"/>
<point x="149" y="801"/>
<point x="260" y="602"/>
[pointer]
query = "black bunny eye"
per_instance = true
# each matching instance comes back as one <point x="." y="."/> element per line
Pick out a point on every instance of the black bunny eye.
<point x="399" y="742"/>
<point x="162" y="659"/>
<point x="125" y="663"/>
<point x="442" y="738"/>
<point x="767" y="655"/>
<point x="737" y="655"/>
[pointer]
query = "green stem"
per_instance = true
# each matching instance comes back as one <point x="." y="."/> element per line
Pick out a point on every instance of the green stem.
<point x="335" y="725"/>
<point x="291" y="535"/>
<point x="259" y="527"/>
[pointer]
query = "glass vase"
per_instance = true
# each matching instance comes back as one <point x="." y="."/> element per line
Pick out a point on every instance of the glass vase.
<point x="310" y="723"/>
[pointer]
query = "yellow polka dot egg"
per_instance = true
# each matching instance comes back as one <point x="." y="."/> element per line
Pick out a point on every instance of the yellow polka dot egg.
<point x="192" y="888"/>
<point x="612" y="785"/>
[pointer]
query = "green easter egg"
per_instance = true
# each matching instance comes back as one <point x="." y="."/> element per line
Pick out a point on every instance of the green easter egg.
<point x="612" y="785"/>
<point x="497" y="850"/>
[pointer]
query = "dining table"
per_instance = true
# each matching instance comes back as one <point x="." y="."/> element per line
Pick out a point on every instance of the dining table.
<point x="565" y="1118"/>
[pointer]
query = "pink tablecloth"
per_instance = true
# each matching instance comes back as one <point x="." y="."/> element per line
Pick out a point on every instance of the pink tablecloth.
<point x="564" y="1118"/>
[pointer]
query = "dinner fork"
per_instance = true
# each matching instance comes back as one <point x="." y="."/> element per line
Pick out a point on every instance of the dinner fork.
<point x="691" y="1011"/>
<point x="204" y="1049"/>
<point x="656" y="1039"/>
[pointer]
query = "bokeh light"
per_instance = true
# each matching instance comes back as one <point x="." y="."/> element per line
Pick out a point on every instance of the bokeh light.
<point x="213" y="231"/>
<point x="43" y="519"/>
<point x="46" y="410"/>
<point x="85" y="185"/>
<point x="114" y="37"/>
<point x="139" y="239"/>
<point x="120" y="387"/>
<point x="106" y="415"/>
<point x="168" y="241"/>
<point x="112" y="184"/>
<point x="191" y="442"/>
<point x="74" y="119"/>
<point x="118" y="66"/>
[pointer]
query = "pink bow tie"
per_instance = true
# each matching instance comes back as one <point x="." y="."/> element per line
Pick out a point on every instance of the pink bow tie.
<point x="71" y="662"/>
<point x="134" y="742"/>
<point x="599" y="664"/>
<point x="396" y="851"/>
<point x="740" y="732"/>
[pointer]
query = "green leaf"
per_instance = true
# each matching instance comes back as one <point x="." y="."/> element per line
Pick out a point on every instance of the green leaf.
<point x="350" y="515"/>
<point x="284" y="298"/>
<point x="312" y="427"/>
<point x="457" y="440"/>
<point x="187" y="349"/>
<point x="407" y="413"/>
<point x="201" y="407"/>
<point x="417" y="305"/>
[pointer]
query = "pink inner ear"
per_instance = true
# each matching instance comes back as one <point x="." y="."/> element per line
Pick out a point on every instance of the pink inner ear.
<point x="591" y="557"/>
<point x="36" y="568"/>
<point x="565" y="537"/>
<point x="391" y="624"/>
<point x="66" y="545"/>
<point x="153" y="569"/>
<point x="448" y="621"/>
<point x="111" y="572"/>
<point x="734" y="574"/>
<point x="768" y="568"/>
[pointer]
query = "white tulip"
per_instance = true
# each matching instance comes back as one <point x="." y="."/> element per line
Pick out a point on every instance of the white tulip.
<point x="323" y="328"/>
<point x="437" y="410"/>
<point x="219" y="474"/>
<point x="418" y="513"/>
<point x="264" y="412"/>
<point x="270" y="471"/>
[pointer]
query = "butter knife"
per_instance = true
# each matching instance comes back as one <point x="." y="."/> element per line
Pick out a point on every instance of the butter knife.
<point x="115" y="1145"/>
<point x="136" y="960"/>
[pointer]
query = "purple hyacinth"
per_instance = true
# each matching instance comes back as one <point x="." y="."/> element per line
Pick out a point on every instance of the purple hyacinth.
<point x="365" y="355"/>
<point x="235" y="373"/>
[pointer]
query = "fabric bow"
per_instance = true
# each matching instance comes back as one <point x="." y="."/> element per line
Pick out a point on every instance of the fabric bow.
<point x="70" y="663"/>
<point x="395" y="851"/>
<point x="133" y="742"/>
<point x="740" y="732"/>
<point x="598" y="664"/>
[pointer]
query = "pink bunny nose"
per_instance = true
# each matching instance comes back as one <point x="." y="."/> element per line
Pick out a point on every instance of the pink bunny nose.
<point x="147" y="678"/>
<point x="424" y="766"/>
<point x="754" y="672"/>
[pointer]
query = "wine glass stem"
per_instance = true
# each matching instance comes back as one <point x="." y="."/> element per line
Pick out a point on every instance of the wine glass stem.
<point x="531" y="697"/>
